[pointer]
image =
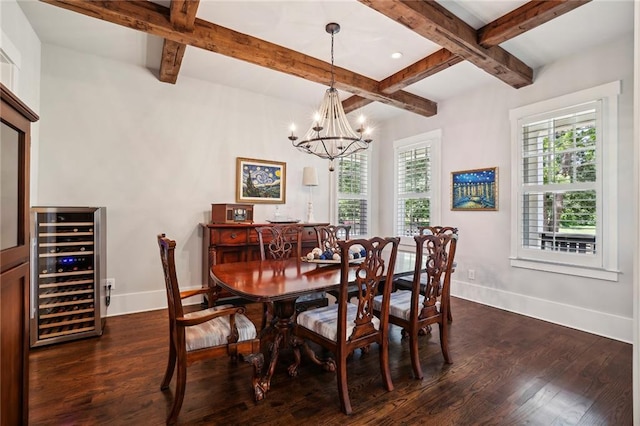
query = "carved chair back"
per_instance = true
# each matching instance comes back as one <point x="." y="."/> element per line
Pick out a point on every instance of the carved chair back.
<point x="440" y="252"/>
<point x="174" y="302"/>
<point x="328" y="236"/>
<point x="280" y="241"/>
<point x="374" y="273"/>
<point x="439" y="230"/>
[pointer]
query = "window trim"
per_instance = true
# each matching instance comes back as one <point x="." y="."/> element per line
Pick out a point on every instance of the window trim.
<point x="433" y="140"/>
<point x="335" y="194"/>
<point x="607" y="226"/>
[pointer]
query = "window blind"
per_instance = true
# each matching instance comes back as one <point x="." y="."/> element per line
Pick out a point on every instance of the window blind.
<point x="559" y="181"/>
<point x="353" y="193"/>
<point x="413" y="166"/>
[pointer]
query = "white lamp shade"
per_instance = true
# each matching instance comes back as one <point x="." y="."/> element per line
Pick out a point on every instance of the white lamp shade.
<point x="309" y="176"/>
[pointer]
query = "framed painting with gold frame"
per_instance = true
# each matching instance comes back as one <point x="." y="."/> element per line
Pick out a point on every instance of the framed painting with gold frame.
<point x="475" y="189"/>
<point x="260" y="181"/>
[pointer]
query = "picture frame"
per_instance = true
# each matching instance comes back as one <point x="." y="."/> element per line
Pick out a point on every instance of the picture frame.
<point x="260" y="181"/>
<point x="475" y="189"/>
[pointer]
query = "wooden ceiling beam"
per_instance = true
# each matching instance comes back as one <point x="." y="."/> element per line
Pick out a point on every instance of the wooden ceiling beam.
<point x="436" y="62"/>
<point x="172" y="54"/>
<point x="514" y="23"/>
<point x="183" y="14"/>
<point x="432" y="64"/>
<point x="523" y="19"/>
<point x="183" y="17"/>
<point x="437" y="24"/>
<point x="155" y="19"/>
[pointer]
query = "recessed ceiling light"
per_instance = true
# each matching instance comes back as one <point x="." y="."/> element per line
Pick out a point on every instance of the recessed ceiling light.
<point x="396" y="55"/>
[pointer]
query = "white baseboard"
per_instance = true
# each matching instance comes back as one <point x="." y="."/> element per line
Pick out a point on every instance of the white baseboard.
<point x="595" y="322"/>
<point x="122" y="304"/>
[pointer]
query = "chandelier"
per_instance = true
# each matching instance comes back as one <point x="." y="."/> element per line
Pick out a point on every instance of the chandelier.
<point x="330" y="135"/>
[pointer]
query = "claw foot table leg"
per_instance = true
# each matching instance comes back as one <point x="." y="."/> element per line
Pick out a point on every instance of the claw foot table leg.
<point x="260" y="388"/>
<point x="326" y="364"/>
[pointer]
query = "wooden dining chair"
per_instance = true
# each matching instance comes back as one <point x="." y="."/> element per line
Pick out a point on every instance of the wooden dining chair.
<point x="344" y="327"/>
<point x="328" y="236"/>
<point x="280" y="241"/>
<point x="283" y="242"/>
<point x="424" y="304"/>
<point x="210" y="333"/>
<point x="406" y="283"/>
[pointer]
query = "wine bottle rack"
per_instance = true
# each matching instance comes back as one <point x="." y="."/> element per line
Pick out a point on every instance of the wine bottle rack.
<point x="69" y="264"/>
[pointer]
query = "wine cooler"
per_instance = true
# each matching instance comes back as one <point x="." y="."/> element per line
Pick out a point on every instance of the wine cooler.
<point x="68" y="271"/>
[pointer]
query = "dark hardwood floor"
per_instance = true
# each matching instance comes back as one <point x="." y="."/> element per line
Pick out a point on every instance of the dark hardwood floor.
<point x="507" y="370"/>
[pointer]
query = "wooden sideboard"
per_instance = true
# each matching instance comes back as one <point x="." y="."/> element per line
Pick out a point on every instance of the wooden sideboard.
<point x="238" y="242"/>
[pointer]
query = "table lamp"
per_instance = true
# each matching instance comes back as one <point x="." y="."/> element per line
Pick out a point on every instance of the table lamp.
<point x="310" y="179"/>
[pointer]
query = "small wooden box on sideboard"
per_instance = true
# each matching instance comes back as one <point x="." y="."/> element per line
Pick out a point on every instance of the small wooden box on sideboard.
<point x="231" y="213"/>
<point x="238" y="242"/>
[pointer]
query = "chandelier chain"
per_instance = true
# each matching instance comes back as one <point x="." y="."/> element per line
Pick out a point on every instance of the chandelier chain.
<point x="332" y="75"/>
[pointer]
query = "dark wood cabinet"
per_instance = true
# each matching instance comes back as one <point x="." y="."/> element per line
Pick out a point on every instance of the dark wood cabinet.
<point x="16" y="119"/>
<point x="225" y="243"/>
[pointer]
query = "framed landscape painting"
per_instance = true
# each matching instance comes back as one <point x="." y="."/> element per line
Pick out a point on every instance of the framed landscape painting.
<point x="260" y="181"/>
<point x="475" y="189"/>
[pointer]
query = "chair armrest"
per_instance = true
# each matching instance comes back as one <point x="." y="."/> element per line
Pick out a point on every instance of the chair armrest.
<point x="190" y="293"/>
<point x="187" y="322"/>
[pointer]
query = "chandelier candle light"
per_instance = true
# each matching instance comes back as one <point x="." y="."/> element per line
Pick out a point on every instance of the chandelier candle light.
<point x="310" y="179"/>
<point x="339" y="139"/>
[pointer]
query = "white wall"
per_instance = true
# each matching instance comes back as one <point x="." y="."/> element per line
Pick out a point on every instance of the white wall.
<point x="157" y="155"/>
<point x="21" y="36"/>
<point x="25" y="47"/>
<point x="476" y="134"/>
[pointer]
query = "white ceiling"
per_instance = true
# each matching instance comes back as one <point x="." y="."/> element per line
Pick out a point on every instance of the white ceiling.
<point x="363" y="45"/>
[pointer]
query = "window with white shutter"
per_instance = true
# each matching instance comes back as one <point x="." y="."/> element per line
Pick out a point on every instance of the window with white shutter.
<point x="564" y="169"/>
<point x="353" y="193"/>
<point x="417" y="201"/>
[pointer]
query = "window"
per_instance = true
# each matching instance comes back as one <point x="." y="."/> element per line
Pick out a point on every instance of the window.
<point x="564" y="176"/>
<point x="416" y="185"/>
<point x="353" y="193"/>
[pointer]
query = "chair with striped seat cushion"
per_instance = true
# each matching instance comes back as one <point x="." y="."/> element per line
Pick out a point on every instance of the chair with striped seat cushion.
<point x="324" y="321"/>
<point x="406" y="282"/>
<point x="215" y="332"/>
<point x="195" y="336"/>
<point x="283" y="242"/>
<point x="400" y="304"/>
<point x="425" y="304"/>
<point x="344" y="327"/>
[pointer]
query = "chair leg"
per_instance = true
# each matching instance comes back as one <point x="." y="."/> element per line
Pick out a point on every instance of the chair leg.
<point x="171" y="364"/>
<point x="385" y="371"/>
<point x="181" y="384"/>
<point x="343" y="389"/>
<point x="444" y="341"/>
<point x="415" y="353"/>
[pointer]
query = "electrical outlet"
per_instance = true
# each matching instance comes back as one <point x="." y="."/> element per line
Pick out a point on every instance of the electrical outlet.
<point x="472" y="274"/>
<point x="110" y="282"/>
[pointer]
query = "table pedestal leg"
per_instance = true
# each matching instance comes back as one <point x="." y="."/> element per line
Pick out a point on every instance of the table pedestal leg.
<point x="283" y="311"/>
